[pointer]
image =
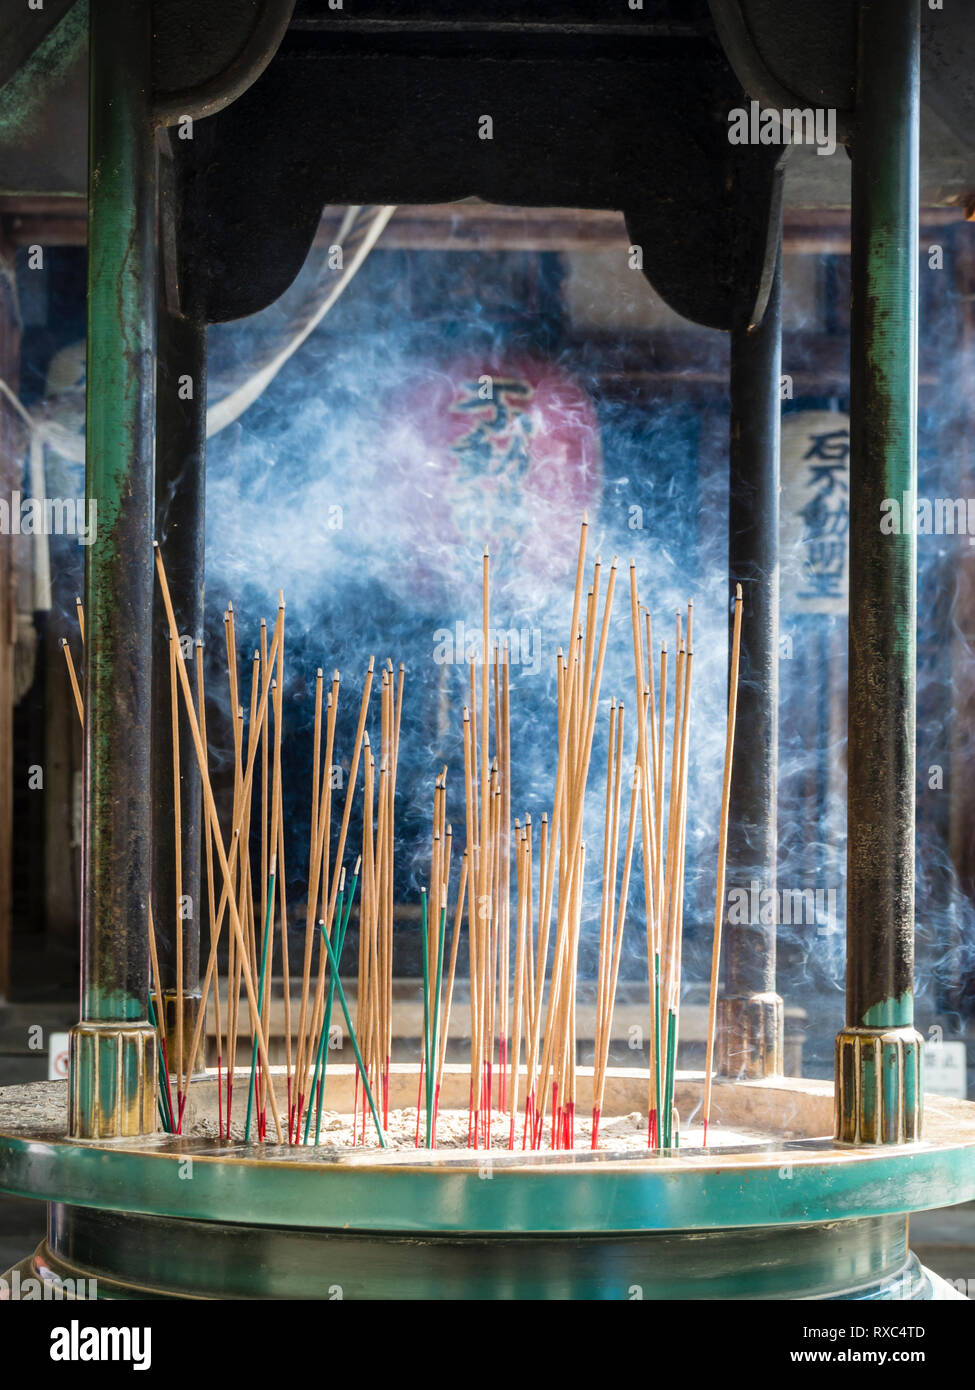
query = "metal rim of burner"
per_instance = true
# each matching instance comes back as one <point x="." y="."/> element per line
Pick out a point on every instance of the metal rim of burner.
<point x="806" y="1217"/>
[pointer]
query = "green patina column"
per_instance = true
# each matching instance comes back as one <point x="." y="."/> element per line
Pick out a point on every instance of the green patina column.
<point x="181" y="362"/>
<point x="112" y="1057"/>
<point x="878" y="1053"/>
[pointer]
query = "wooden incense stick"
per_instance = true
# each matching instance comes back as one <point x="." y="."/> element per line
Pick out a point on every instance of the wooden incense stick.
<point x="722" y="854"/>
<point x="215" y="823"/>
<point x="211" y="896"/>
<point x="229" y="864"/>
<point x="79" y="705"/>
<point x="178" y="851"/>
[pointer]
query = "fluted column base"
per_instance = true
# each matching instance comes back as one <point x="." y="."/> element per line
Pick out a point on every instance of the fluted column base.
<point x="112" y="1074"/>
<point x="751" y="1036"/>
<point x="878" y="1085"/>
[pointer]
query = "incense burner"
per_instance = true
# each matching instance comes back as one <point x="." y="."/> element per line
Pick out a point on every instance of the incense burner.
<point x="788" y="1213"/>
<point x="184" y="234"/>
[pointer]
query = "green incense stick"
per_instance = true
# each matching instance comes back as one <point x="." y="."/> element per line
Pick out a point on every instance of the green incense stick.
<point x="339" y="904"/>
<point x="426" y="1007"/>
<point x="260" y="998"/>
<point x="669" y="1082"/>
<point x="327" y="1022"/>
<point x="656" y="1060"/>
<point x="434" y="1048"/>
<point x="162" y="1099"/>
<point x="352" y="1038"/>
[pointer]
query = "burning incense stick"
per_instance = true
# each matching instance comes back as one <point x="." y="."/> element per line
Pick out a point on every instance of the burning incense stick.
<point x="79" y="705"/>
<point x="269" y="899"/>
<point x="722" y="854"/>
<point x="214" y="820"/>
<point x="243" y="787"/>
<point x="211" y="900"/>
<point x="178" y="847"/>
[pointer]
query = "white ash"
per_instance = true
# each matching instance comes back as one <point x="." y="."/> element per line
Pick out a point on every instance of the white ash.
<point x="617" y="1133"/>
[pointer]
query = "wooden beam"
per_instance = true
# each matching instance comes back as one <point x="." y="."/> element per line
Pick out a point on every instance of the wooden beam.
<point x="470" y="225"/>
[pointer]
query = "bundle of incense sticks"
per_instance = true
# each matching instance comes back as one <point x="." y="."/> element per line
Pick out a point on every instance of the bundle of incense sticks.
<point x="521" y="892"/>
<point x="374" y="1006"/>
<point x="552" y="896"/>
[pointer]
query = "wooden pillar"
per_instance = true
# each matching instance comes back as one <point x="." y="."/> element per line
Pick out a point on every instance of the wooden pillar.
<point x="961" y="781"/>
<point x="10" y="434"/>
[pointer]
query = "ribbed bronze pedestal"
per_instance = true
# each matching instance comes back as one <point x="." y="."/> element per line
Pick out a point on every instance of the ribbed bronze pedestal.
<point x="878" y="1085"/>
<point x="751" y="1033"/>
<point x="112" y="1089"/>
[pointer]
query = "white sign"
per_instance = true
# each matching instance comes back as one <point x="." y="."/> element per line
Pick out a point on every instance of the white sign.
<point x="57" y="1056"/>
<point x="815" y="512"/>
<point x="946" y="1069"/>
